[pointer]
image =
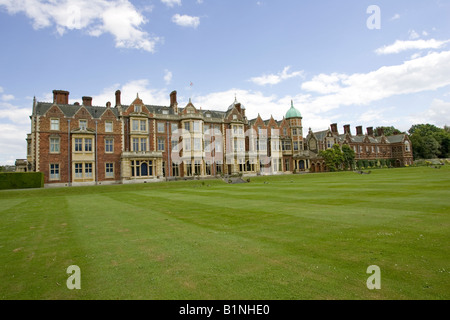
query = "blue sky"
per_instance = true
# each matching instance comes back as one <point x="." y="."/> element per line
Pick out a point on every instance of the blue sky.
<point x="320" y="54"/>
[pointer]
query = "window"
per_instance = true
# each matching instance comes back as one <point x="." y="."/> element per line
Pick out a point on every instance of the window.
<point x="206" y="128"/>
<point x="143" y="144"/>
<point x="161" y="127"/>
<point x="188" y="168"/>
<point x="83" y="124"/>
<point x="54" y="171"/>
<point x="54" y="145"/>
<point x="175" y="169"/>
<point x="109" y="170"/>
<point x="88" y="145"/>
<point x="286" y="165"/>
<point x="294" y="132"/>
<point x="161" y="144"/>
<point x="88" y="170"/>
<point x="197" y="144"/>
<point x="329" y="144"/>
<point x="135" y="125"/>
<point x="174" y="127"/>
<point x="187" y="144"/>
<point x="198" y="167"/>
<point x="207" y="146"/>
<point x="208" y="168"/>
<point x="218" y="168"/>
<point x="78" y="144"/>
<point x="108" y="126"/>
<point x="141" y="168"/>
<point x="295" y="146"/>
<point x="234" y="117"/>
<point x="165" y="112"/>
<point x="286" y="145"/>
<point x="54" y="124"/>
<point x="285" y="131"/>
<point x="217" y="146"/>
<point x="187" y="126"/>
<point x="135" y="144"/>
<point x="241" y="145"/>
<point x="78" y="170"/>
<point x="174" y="145"/>
<point x="259" y="130"/>
<point x="137" y="108"/>
<point x="407" y="146"/>
<point x="109" y="145"/>
<point x="197" y="126"/>
<point x="143" y="125"/>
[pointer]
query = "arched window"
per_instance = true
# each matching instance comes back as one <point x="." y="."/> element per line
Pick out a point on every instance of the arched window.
<point x="407" y="146"/>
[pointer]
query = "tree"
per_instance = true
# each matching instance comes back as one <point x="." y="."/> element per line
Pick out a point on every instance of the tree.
<point x="334" y="157"/>
<point x="430" y="141"/>
<point x="348" y="155"/>
<point x="387" y="131"/>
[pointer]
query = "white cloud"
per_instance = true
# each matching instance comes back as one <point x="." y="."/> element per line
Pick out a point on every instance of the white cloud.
<point x="117" y="17"/>
<point x="413" y="35"/>
<point x="438" y="114"/>
<point x="171" y="3"/>
<point x="167" y="76"/>
<point x="276" y="78"/>
<point x="421" y="74"/>
<point x="129" y="90"/>
<point x="395" y="17"/>
<point x="401" y="45"/>
<point x="324" y="83"/>
<point x="186" y="21"/>
<point x="7" y="97"/>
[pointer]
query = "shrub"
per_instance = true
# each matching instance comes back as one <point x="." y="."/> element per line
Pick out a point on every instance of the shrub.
<point x="21" y="180"/>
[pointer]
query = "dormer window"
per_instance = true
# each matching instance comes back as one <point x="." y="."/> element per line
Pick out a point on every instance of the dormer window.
<point x="137" y="108"/>
<point x="234" y="117"/>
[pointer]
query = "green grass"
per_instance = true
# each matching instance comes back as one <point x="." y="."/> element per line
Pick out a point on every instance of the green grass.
<point x="283" y="237"/>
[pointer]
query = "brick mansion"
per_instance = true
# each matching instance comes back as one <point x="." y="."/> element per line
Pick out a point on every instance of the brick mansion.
<point x="78" y="144"/>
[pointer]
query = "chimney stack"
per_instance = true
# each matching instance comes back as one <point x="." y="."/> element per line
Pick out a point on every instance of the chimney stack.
<point x="370" y="131"/>
<point x="60" y="97"/>
<point x="87" y="101"/>
<point x="118" y="98"/>
<point x="173" y="98"/>
<point x="380" y="132"/>
<point x="347" y="129"/>
<point x="359" y="131"/>
<point x="334" y="128"/>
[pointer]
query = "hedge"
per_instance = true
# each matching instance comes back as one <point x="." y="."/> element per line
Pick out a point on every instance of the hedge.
<point x="21" y="180"/>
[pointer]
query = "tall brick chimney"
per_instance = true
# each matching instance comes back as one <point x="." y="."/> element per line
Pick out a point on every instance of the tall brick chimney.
<point x="118" y="98"/>
<point x="87" y="101"/>
<point x="347" y="129"/>
<point x="173" y="98"/>
<point x="60" y="97"/>
<point x="370" y="131"/>
<point x="359" y="131"/>
<point x="333" y="127"/>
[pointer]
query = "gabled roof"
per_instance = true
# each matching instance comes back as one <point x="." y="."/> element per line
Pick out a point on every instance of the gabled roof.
<point x="70" y="110"/>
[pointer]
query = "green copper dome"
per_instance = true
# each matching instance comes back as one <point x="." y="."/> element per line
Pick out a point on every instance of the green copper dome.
<point x="292" y="112"/>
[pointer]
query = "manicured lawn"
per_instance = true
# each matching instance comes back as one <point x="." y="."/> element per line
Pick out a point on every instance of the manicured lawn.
<point x="289" y="237"/>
